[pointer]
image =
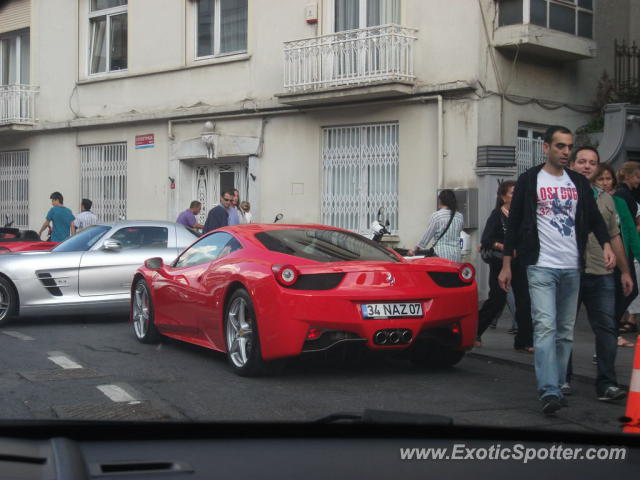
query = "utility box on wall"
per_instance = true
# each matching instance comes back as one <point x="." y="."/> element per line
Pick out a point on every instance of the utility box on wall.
<point x="467" y="199"/>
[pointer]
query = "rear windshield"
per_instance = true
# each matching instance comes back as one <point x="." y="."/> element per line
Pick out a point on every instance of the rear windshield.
<point x="325" y="245"/>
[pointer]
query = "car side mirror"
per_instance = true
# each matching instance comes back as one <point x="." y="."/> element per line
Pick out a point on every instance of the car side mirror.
<point x="112" y="245"/>
<point x="155" y="263"/>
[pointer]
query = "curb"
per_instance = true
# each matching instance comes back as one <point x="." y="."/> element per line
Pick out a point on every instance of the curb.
<point x="506" y="361"/>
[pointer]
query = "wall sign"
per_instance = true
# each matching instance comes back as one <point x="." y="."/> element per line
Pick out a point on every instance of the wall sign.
<point x="145" y="141"/>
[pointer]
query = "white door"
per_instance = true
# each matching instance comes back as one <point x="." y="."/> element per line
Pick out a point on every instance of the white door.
<point x="210" y="179"/>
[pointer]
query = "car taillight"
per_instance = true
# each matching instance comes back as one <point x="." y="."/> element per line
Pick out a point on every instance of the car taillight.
<point x="466" y="272"/>
<point x="286" y="275"/>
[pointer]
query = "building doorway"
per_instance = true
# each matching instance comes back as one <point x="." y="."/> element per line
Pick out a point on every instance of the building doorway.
<point x="212" y="177"/>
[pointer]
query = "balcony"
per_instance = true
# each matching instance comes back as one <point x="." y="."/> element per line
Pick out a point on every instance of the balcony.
<point x="353" y="64"/>
<point x="17" y="105"/>
<point x="558" y="30"/>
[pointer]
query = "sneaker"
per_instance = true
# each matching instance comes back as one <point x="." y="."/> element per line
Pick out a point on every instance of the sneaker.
<point x="565" y="388"/>
<point x="594" y="360"/>
<point x="612" y="393"/>
<point x="551" y="404"/>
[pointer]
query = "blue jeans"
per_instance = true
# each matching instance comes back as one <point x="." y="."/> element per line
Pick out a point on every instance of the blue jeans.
<point x="554" y="300"/>
<point x="597" y="292"/>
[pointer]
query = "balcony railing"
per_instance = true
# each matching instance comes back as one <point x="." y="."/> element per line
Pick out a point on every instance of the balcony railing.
<point x="351" y="57"/>
<point x="17" y="104"/>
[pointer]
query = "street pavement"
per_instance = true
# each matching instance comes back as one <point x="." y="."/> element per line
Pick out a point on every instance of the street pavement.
<point x="497" y="344"/>
<point x="93" y="368"/>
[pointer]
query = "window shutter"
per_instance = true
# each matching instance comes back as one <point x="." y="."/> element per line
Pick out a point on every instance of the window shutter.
<point x="15" y="15"/>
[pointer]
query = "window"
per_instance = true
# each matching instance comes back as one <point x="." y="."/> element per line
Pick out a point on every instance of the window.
<point x="141" y="237"/>
<point x="324" y="245"/>
<point x="529" y="147"/>
<point x="83" y="241"/>
<point x="108" y="36"/>
<point x="14" y="58"/>
<point x="570" y="16"/>
<point x="103" y="179"/>
<point x="211" y="247"/>
<point x="14" y="188"/>
<point x="353" y="14"/>
<point x="221" y="27"/>
<point x="360" y="175"/>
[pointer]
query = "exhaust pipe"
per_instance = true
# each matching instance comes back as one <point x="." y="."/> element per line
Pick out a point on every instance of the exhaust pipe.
<point x="406" y="336"/>
<point x="394" y="337"/>
<point x="380" y="337"/>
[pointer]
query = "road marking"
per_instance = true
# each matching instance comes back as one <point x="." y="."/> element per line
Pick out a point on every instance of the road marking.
<point x="118" y="394"/>
<point x="18" y="335"/>
<point x="63" y="361"/>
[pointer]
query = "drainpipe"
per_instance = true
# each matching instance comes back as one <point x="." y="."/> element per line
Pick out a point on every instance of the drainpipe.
<point x="440" y="137"/>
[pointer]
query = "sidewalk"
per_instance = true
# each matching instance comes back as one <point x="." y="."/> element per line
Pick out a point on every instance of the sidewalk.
<point x="498" y="345"/>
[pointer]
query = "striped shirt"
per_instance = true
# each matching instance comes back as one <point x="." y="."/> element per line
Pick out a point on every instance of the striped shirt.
<point x="449" y="245"/>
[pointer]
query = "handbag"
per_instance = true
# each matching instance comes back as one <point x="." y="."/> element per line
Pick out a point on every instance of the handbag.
<point x="489" y="254"/>
<point x="431" y="252"/>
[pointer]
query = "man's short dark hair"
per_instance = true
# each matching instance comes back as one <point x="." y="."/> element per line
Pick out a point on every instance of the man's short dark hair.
<point x="57" y="196"/>
<point x="552" y="130"/>
<point x="574" y="153"/>
<point x="86" y="204"/>
<point x="226" y="192"/>
<point x="194" y="204"/>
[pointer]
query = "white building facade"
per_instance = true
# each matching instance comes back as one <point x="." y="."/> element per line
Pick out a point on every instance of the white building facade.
<point x="323" y="110"/>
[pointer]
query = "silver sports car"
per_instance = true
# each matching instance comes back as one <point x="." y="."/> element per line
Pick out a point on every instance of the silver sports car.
<point x="90" y="272"/>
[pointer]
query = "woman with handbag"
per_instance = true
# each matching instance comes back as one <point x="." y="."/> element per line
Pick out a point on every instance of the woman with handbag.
<point x="445" y="226"/>
<point x="491" y="247"/>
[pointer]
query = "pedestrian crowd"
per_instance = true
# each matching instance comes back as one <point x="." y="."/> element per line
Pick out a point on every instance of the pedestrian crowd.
<point x="230" y="211"/>
<point x="565" y="234"/>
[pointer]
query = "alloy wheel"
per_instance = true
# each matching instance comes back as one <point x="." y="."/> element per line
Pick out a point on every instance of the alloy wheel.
<point x="141" y="311"/>
<point x="239" y="332"/>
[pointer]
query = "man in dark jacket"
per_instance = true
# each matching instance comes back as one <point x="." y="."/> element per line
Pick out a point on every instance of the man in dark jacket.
<point x="552" y="213"/>
<point x="219" y="215"/>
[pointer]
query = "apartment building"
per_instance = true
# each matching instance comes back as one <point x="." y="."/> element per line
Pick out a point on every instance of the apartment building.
<point x="323" y="110"/>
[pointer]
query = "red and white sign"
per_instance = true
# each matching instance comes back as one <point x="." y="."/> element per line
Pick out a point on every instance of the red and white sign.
<point x="145" y="141"/>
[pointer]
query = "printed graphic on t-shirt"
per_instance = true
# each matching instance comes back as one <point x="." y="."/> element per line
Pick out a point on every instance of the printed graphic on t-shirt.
<point x="558" y="204"/>
<point x="557" y="201"/>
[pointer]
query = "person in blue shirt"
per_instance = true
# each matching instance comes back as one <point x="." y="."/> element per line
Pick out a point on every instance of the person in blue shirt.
<point x="62" y="218"/>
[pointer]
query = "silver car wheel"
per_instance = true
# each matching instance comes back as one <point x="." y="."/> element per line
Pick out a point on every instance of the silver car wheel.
<point x="239" y="332"/>
<point x="141" y="311"/>
<point x="5" y="300"/>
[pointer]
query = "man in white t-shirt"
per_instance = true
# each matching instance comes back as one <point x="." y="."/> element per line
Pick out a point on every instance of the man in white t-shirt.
<point x="552" y="213"/>
<point x="86" y="217"/>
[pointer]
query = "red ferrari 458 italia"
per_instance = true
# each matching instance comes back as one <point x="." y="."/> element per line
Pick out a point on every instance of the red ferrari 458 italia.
<point x="16" y="240"/>
<point x="265" y="292"/>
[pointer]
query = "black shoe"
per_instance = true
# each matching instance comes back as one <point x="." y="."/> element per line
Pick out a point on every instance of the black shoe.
<point x="594" y="359"/>
<point x="565" y="388"/>
<point x="551" y="404"/>
<point x="612" y="393"/>
<point x="493" y="325"/>
<point x="513" y="331"/>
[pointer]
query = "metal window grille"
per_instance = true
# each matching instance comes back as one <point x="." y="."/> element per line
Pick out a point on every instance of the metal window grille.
<point x="627" y="66"/>
<point x="529" y="153"/>
<point x="103" y="179"/>
<point x="360" y="175"/>
<point x="14" y="188"/>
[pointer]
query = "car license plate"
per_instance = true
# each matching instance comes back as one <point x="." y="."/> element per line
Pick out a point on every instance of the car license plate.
<point x="391" y="310"/>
